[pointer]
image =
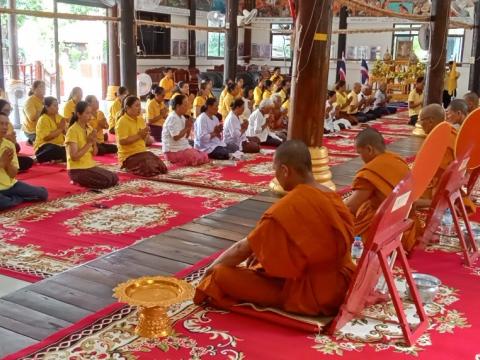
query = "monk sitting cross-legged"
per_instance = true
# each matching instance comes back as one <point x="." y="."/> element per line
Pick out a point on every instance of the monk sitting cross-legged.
<point x="375" y="181"/>
<point x="302" y="267"/>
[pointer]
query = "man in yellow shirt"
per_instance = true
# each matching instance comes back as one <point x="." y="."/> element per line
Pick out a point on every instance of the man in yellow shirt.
<point x="415" y="101"/>
<point x="355" y="103"/>
<point x="168" y="84"/>
<point x="450" y="74"/>
<point x="13" y="192"/>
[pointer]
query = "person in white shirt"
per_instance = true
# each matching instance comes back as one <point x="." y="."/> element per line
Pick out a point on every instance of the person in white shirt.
<point x="234" y="131"/>
<point x="366" y="100"/>
<point x="248" y="100"/>
<point x="381" y="101"/>
<point x="176" y="131"/>
<point x="258" y="125"/>
<point x="209" y="133"/>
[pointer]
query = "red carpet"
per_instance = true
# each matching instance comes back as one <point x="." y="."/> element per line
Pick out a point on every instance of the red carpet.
<point x="206" y="333"/>
<point x="47" y="238"/>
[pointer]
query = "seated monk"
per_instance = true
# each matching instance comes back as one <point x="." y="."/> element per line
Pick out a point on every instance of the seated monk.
<point x="300" y="267"/>
<point x="472" y="100"/>
<point x="375" y="181"/>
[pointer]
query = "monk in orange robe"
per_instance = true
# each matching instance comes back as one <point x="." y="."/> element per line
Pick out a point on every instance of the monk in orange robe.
<point x="298" y="256"/>
<point x="375" y="181"/>
<point x="430" y="116"/>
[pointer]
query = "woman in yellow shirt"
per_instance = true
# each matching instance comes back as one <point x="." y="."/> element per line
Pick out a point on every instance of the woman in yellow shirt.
<point x="81" y="144"/>
<point x="51" y="128"/>
<point x="228" y="99"/>
<point x="13" y="192"/>
<point x="132" y="135"/>
<point x="168" y="84"/>
<point x="267" y="89"/>
<point x="99" y="123"/>
<point x="208" y="89"/>
<point x="32" y="110"/>
<point x="116" y="108"/>
<point x="238" y="93"/>
<point x="258" y="94"/>
<point x="282" y="90"/>
<point x="24" y="162"/>
<point x="75" y="96"/>
<point x="156" y="113"/>
<point x="200" y="100"/>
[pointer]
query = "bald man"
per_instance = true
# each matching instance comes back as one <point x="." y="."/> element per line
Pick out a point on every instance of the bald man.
<point x="375" y="181"/>
<point x="356" y="103"/>
<point x="303" y="267"/>
<point x="472" y="101"/>
<point x="457" y="111"/>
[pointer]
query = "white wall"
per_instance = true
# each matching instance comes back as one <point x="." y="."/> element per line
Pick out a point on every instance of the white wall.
<point x="261" y="35"/>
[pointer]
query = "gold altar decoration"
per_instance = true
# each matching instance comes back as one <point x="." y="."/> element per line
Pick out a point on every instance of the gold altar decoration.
<point x="153" y="295"/>
<point x="321" y="170"/>
<point x="399" y="75"/>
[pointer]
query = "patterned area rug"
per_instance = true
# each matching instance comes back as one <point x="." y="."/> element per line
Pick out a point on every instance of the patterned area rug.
<point x="47" y="238"/>
<point x="207" y="333"/>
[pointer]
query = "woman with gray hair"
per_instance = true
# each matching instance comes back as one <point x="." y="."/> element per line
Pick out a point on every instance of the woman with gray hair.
<point x="259" y="125"/>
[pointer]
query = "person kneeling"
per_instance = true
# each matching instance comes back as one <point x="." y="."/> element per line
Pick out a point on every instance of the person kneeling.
<point x="234" y="131"/>
<point x="132" y="135"/>
<point x="259" y="127"/>
<point x="209" y="132"/>
<point x="176" y="131"/>
<point x="289" y="266"/>
<point x="99" y="123"/>
<point x="81" y="144"/>
<point x="13" y="192"/>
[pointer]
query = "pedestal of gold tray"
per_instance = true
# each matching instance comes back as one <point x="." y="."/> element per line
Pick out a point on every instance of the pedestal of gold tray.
<point x="153" y="295"/>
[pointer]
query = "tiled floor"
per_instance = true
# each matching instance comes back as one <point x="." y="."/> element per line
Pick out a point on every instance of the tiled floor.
<point x="9" y="285"/>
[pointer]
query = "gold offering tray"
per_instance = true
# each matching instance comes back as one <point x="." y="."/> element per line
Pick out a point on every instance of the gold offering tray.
<point x="153" y="295"/>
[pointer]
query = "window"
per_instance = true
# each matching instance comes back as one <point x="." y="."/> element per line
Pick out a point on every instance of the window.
<point x="153" y="41"/>
<point x="216" y="43"/>
<point x="281" y="49"/>
<point x="408" y="33"/>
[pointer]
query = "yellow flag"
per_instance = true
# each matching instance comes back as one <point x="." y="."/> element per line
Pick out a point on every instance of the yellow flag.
<point x="452" y="79"/>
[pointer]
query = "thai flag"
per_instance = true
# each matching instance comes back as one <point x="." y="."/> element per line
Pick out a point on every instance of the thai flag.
<point x="342" y="69"/>
<point x="364" y="71"/>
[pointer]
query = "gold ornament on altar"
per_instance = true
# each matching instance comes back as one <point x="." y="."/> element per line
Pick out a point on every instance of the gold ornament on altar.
<point x="153" y="295"/>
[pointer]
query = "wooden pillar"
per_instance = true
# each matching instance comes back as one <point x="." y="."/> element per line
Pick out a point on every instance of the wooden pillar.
<point x="113" y="50"/>
<point x="128" y="46"/>
<point x="192" y="39"/>
<point x="475" y="67"/>
<point x="342" y="38"/>
<point x="310" y="81"/>
<point x="247" y="35"/>
<point x="13" y="42"/>
<point x="57" y="52"/>
<point x="231" y="42"/>
<point x="438" y="51"/>
<point x="2" y="73"/>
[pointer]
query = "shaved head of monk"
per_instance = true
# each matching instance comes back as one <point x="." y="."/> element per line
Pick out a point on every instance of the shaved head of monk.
<point x="369" y="143"/>
<point x="430" y="116"/>
<point x="293" y="164"/>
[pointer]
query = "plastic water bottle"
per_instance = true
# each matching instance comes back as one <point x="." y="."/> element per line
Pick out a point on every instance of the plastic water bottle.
<point x="447" y="223"/>
<point x="357" y="248"/>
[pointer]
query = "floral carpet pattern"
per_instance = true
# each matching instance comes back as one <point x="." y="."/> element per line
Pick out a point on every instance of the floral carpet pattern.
<point x="206" y="333"/>
<point x="46" y="238"/>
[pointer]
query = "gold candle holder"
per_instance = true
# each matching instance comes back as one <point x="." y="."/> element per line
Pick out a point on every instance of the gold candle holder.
<point x="418" y="131"/>
<point x="153" y="295"/>
<point x="321" y="171"/>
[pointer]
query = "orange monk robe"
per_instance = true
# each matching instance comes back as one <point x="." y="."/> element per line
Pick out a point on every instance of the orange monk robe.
<point x="379" y="176"/>
<point x="306" y="265"/>
<point x="448" y="158"/>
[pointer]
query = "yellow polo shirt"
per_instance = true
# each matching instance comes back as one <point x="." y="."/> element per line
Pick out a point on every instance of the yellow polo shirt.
<point x="127" y="126"/>
<point x="113" y="113"/>
<point x="69" y="109"/>
<point x="154" y="109"/>
<point x="32" y="107"/>
<point x="415" y="97"/>
<point x="78" y="135"/>
<point x="6" y="182"/>
<point x="10" y="129"/>
<point x="354" y="96"/>
<point x="95" y="122"/>
<point x="226" y="105"/>
<point x="341" y="100"/>
<point x="168" y="85"/>
<point x="45" y="126"/>
<point x="286" y="104"/>
<point x="283" y="95"/>
<point x="257" y="96"/>
<point x="199" y="101"/>
<point x="266" y="94"/>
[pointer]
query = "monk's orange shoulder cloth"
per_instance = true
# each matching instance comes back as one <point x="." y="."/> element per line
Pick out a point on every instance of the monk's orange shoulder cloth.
<point x="380" y="176"/>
